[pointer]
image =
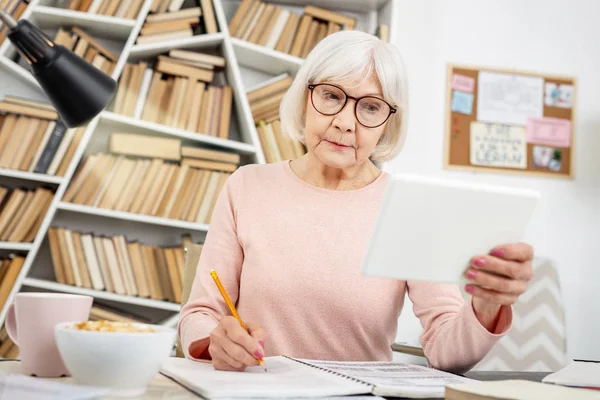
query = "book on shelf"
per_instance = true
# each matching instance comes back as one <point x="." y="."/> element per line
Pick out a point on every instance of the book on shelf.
<point x="16" y="8"/>
<point x="87" y="47"/>
<point x="152" y="186"/>
<point x="202" y="19"/>
<point x="112" y="8"/>
<point x="269" y="25"/>
<point x="8" y="349"/>
<point x="33" y="139"/>
<point x="264" y="105"/>
<point x="115" y="264"/>
<point x="103" y="312"/>
<point x="22" y="212"/>
<point x="383" y="32"/>
<point x="9" y="271"/>
<point x="178" y="91"/>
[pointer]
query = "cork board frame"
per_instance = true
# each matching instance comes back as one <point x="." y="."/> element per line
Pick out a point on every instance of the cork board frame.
<point x="458" y="127"/>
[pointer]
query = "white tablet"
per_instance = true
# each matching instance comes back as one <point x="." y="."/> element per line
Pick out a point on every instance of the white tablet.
<point x="428" y="229"/>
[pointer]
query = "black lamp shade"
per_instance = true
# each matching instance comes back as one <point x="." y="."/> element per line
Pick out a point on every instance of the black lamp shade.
<point x="77" y="89"/>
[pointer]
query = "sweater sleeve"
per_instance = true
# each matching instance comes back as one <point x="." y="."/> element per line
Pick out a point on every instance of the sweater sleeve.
<point x="453" y="338"/>
<point x="223" y="253"/>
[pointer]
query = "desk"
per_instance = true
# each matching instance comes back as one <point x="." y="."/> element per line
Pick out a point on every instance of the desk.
<point x="164" y="388"/>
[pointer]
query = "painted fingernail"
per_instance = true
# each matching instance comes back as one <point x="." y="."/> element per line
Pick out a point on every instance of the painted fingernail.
<point x="471" y="274"/>
<point x="258" y="354"/>
<point x="262" y="343"/>
<point x="498" y="253"/>
<point x="480" y="262"/>
<point x="469" y="288"/>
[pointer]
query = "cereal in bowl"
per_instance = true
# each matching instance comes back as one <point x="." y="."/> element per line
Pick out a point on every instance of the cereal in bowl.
<point x="111" y="326"/>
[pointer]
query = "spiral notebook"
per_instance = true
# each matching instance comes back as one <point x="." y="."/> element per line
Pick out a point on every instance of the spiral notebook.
<point x="297" y="378"/>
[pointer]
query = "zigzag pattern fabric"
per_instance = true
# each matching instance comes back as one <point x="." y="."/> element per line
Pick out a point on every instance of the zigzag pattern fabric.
<point x="537" y="341"/>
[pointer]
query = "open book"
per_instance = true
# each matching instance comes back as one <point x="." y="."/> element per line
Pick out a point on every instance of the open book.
<point x="288" y="377"/>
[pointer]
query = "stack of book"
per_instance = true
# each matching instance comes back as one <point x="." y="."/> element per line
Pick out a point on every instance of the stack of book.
<point x="153" y="185"/>
<point x="276" y="145"/>
<point x="177" y="92"/>
<point x="264" y="104"/>
<point x="14" y="7"/>
<point x="265" y="101"/>
<point x="112" y="8"/>
<point x="9" y="270"/>
<point x="22" y="212"/>
<point x="33" y="139"/>
<point x="8" y="349"/>
<point x="275" y="28"/>
<point x="116" y="265"/>
<point x="88" y="48"/>
<point x="168" y="21"/>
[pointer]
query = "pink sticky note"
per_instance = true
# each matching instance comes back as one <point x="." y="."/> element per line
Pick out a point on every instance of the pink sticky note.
<point x="463" y="83"/>
<point x="549" y="131"/>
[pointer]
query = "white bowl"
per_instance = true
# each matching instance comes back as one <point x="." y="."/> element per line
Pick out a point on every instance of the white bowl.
<point x="123" y="361"/>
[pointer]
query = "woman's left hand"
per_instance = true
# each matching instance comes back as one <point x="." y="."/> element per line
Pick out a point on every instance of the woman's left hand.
<point x="498" y="279"/>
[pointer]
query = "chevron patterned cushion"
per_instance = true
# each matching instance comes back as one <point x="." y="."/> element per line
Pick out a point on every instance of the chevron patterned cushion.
<point x="537" y="340"/>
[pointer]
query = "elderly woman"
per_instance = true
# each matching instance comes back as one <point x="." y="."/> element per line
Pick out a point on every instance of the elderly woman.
<point x="288" y="238"/>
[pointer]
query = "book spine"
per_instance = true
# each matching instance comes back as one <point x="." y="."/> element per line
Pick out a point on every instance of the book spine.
<point x="51" y="147"/>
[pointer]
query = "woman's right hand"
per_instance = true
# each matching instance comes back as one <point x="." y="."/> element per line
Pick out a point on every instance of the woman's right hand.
<point x="234" y="349"/>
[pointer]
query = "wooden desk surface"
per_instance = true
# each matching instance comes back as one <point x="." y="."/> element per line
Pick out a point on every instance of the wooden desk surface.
<point x="164" y="388"/>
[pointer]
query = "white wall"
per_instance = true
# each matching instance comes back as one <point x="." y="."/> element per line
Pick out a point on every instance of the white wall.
<point x="551" y="36"/>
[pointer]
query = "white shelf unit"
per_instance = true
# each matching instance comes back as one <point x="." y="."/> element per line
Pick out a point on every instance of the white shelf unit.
<point x="248" y="66"/>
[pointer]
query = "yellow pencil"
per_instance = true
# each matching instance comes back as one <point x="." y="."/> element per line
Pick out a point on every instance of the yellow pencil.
<point x="232" y="309"/>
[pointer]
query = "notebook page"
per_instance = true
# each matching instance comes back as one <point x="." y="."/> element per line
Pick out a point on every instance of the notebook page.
<point x="395" y="379"/>
<point x="285" y="378"/>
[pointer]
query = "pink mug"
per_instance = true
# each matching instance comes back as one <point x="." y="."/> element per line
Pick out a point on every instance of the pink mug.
<point x="30" y="322"/>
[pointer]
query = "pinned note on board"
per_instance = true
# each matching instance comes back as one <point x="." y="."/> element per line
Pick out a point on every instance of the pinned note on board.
<point x="558" y="95"/>
<point x="549" y="131"/>
<point x="496" y="145"/>
<point x="509" y="99"/>
<point x="463" y="83"/>
<point x="462" y="102"/>
<point x="545" y="157"/>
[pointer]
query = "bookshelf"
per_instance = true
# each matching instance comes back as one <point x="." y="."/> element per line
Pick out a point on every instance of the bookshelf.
<point x="249" y="66"/>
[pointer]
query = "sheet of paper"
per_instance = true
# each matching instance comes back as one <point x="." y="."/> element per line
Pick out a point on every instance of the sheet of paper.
<point x="462" y="102"/>
<point x="16" y="386"/>
<point x="284" y="378"/>
<point x="494" y="145"/>
<point x="577" y="374"/>
<point x="463" y="83"/>
<point x="393" y="377"/>
<point x="509" y="99"/>
<point x="549" y="131"/>
<point x="523" y="390"/>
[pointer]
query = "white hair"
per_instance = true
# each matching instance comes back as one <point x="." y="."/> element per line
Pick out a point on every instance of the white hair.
<point x="348" y="57"/>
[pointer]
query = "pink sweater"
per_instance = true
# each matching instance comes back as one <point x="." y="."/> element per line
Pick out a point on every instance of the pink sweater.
<point x="289" y="255"/>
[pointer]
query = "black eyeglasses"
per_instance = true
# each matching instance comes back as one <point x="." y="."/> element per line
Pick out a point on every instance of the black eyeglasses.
<point x="370" y="111"/>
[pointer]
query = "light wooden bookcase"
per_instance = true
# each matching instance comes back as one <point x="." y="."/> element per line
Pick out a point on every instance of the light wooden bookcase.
<point x="249" y="67"/>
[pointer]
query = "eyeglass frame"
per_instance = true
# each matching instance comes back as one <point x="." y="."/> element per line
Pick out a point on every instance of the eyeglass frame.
<point x="312" y="86"/>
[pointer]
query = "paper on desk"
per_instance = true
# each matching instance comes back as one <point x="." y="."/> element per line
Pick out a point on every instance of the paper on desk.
<point x="393" y="378"/>
<point x="15" y="386"/>
<point x="584" y="374"/>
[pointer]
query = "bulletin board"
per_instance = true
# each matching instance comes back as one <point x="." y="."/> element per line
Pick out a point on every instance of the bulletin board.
<point x="509" y="122"/>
